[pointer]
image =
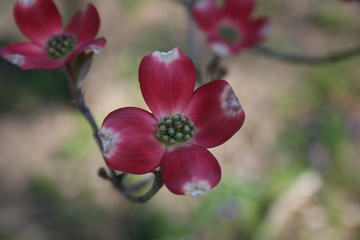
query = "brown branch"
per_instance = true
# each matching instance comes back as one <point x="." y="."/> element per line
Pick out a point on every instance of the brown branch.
<point x="304" y="59"/>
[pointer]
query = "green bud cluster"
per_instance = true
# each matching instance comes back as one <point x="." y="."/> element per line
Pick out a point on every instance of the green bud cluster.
<point x="228" y="33"/>
<point x="175" y="129"/>
<point x="58" y="46"/>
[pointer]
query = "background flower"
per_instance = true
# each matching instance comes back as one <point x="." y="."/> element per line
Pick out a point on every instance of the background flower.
<point x="51" y="46"/>
<point x="230" y="28"/>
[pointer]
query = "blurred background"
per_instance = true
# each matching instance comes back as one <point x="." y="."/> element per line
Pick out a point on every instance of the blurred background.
<point x="290" y="173"/>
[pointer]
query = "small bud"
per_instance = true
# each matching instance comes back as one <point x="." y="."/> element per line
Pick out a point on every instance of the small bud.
<point x="168" y="122"/>
<point x="165" y="138"/>
<point x="171" y="131"/>
<point x="178" y="136"/>
<point x="163" y="129"/>
<point x="158" y="135"/>
<point x="176" y="117"/>
<point x="186" y="129"/>
<point x="172" y="141"/>
<point x="178" y="125"/>
<point x="184" y="120"/>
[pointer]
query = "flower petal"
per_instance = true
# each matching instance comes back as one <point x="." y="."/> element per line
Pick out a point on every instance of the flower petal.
<point x="239" y="9"/>
<point x="84" y="25"/>
<point x="95" y="45"/>
<point x="226" y="37"/>
<point x="37" y="19"/>
<point x="206" y="14"/>
<point x="190" y="170"/>
<point x="128" y="139"/>
<point x="167" y="81"/>
<point x="216" y="113"/>
<point x="28" y="56"/>
<point x="25" y="48"/>
<point x="223" y="48"/>
<point x="256" y="31"/>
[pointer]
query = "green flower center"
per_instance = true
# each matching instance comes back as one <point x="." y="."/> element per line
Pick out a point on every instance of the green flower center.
<point x="228" y="33"/>
<point x="174" y="130"/>
<point x="58" y="46"/>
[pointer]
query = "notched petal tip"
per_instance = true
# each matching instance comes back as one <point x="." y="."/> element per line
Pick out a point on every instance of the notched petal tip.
<point x="265" y="30"/>
<point x="196" y="187"/>
<point x="16" y="59"/>
<point x="220" y="49"/>
<point x="108" y="139"/>
<point x="230" y="103"/>
<point x="167" y="57"/>
<point x="27" y="3"/>
<point x="94" y="49"/>
<point x="202" y="4"/>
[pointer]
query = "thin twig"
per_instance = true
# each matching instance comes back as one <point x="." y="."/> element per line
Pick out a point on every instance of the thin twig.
<point x="79" y="101"/>
<point x="214" y="69"/>
<point x="193" y="46"/>
<point x="192" y="41"/>
<point x="157" y="184"/>
<point x="303" y="59"/>
<point x="117" y="181"/>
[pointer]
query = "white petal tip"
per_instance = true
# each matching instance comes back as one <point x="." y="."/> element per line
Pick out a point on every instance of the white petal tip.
<point x="230" y="103"/>
<point x="27" y="3"/>
<point x="201" y="4"/>
<point x="196" y="187"/>
<point x="15" y="59"/>
<point x="265" y="31"/>
<point x="96" y="49"/>
<point x="108" y="139"/>
<point x="196" y="192"/>
<point x="93" y="49"/>
<point x="167" y="57"/>
<point x="220" y="49"/>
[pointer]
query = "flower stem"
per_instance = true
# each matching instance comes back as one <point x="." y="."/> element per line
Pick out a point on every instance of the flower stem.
<point x="192" y="39"/>
<point x="193" y="46"/>
<point x="214" y="69"/>
<point x="302" y="59"/>
<point x="116" y="179"/>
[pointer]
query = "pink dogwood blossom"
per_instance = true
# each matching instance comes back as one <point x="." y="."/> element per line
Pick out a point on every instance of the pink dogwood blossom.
<point x="51" y="46"/>
<point x="230" y="28"/>
<point x="182" y="125"/>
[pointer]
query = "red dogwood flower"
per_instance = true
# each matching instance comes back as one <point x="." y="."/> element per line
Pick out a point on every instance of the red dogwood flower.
<point x="50" y="45"/>
<point x="182" y="125"/>
<point x="229" y="28"/>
